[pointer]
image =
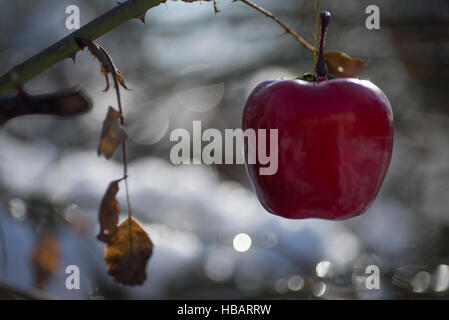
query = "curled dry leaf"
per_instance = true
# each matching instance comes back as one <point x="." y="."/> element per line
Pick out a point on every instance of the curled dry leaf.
<point x="64" y="104"/>
<point x="109" y="212"/>
<point x="113" y="134"/>
<point x="127" y="253"/>
<point x="107" y="65"/>
<point x="343" y="65"/>
<point x="45" y="259"/>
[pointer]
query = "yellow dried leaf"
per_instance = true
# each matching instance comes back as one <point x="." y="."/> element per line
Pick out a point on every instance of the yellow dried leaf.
<point x="109" y="212"/>
<point x="113" y="134"/>
<point x="342" y="65"/>
<point x="120" y="79"/>
<point x="128" y="252"/>
<point x="107" y="65"/>
<point x="45" y="259"/>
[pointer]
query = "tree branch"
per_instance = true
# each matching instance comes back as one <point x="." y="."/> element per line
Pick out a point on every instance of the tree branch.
<point x="67" y="47"/>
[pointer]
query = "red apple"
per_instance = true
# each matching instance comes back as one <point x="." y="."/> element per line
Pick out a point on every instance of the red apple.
<point x="335" y="142"/>
<point x="335" y="139"/>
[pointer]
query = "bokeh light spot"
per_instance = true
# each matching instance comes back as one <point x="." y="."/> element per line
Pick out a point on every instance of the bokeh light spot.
<point x="319" y="289"/>
<point x="420" y="282"/>
<point x="442" y="278"/>
<point x="323" y="269"/>
<point x="296" y="283"/>
<point x="281" y="286"/>
<point x="219" y="266"/>
<point x="17" y="208"/>
<point x="242" y="242"/>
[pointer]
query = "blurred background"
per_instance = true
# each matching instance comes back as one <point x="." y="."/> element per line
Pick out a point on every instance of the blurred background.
<point x="212" y="238"/>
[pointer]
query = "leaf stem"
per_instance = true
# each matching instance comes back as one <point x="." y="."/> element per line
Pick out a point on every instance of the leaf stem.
<point x="125" y="161"/>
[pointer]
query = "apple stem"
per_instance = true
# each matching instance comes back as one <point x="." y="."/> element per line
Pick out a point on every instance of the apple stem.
<point x="321" y="68"/>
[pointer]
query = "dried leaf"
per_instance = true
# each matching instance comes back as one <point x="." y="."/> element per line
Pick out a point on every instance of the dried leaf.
<point x="113" y="134"/>
<point x="45" y="259"/>
<point x="109" y="212"/>
<point x="343" y="65"/>
<point x="107" y="65"/>
<point x="63" y="104"/>
<point x="128" y="252"/>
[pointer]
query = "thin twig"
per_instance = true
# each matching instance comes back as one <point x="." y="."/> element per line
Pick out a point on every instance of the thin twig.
<point x="125" y="157"/>
<point x="287" y="29"/>
<point x="125" y="161"/>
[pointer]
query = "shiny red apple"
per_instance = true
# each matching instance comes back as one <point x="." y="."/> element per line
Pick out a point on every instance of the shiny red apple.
<point x="335" y="140"/>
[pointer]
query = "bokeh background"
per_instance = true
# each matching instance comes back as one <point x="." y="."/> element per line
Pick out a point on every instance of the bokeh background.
<point x="185" y="64"/>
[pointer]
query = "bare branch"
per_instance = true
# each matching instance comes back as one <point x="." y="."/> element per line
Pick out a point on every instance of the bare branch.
<point x="67" y="47"/>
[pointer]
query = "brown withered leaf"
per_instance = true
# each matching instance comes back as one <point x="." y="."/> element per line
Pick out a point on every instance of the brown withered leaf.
<point x="109" y="212"/>
<point x="342" y="65"/>
<point x="113" y="134"/>
<point x="107" y="65"/>
<point x="45" y="259"/>
<point x="128" y="252"/>
<point x="63" y="104"/>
